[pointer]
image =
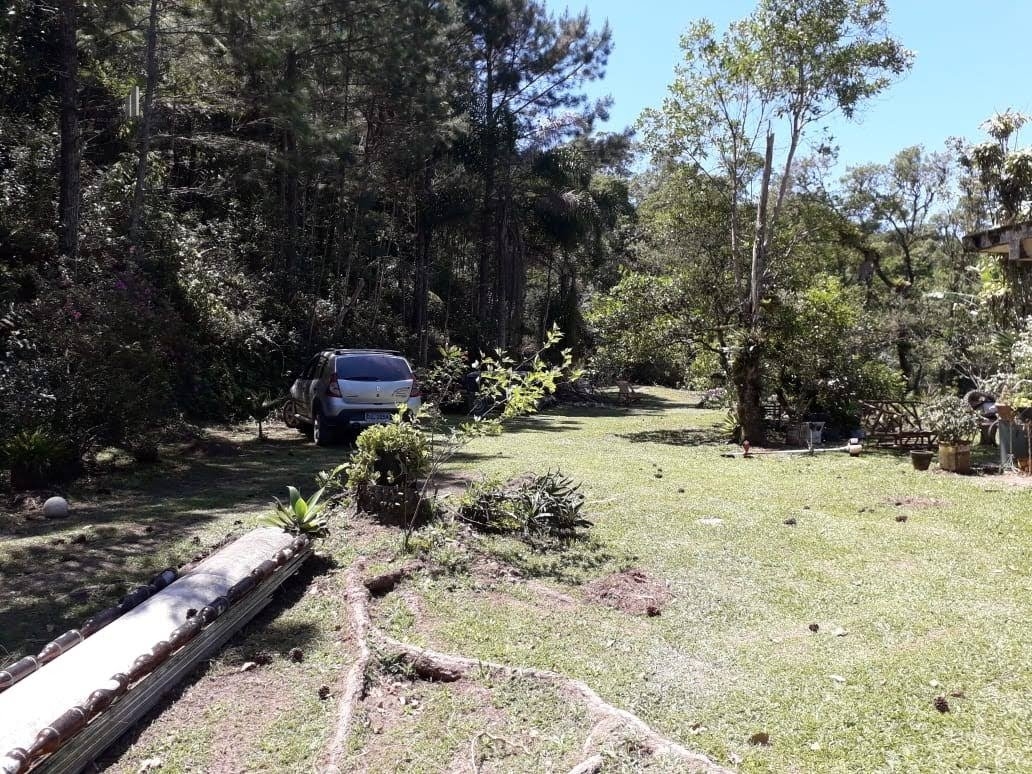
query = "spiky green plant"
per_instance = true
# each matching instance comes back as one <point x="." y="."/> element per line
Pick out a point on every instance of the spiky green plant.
<point x="300" y="517"/>
<point x="33" y="456"/>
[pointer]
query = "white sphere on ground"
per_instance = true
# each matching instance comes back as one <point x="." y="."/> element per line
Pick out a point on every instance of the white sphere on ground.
<point x="55" y="508"/>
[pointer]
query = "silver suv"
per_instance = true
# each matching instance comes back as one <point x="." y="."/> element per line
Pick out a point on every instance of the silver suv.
<point x="350" y="389"/>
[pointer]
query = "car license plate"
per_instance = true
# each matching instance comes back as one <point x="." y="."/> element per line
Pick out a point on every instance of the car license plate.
<point x="377" y="416"/>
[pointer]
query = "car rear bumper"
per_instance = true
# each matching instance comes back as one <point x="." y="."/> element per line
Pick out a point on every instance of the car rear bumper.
<point x="351" y="415"/>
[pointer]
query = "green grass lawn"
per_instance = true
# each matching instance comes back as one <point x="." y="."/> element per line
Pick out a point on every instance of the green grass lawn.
<point x="938" y="604"/>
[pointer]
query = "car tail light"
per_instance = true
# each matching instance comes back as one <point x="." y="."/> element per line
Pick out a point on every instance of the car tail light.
<point x="415" y="393"/>
<point x="333" y="388"/>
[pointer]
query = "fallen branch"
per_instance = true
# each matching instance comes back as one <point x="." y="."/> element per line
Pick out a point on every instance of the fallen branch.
<point x="433" y="665"/>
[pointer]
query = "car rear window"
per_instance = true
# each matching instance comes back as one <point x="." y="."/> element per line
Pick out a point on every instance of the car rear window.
<point x="373" y="368"/>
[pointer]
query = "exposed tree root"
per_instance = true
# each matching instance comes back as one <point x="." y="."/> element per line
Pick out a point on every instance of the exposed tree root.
<point x="591" y="765"/>
<point x="385" y="583"/>
<point x="433" y="665"/>
<point x="354" y="684"/>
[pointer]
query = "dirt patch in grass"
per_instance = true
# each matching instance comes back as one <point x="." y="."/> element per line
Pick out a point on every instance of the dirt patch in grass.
<point x="916" y="502"/>
<point x="466" y="727"/>
<point x="452" y="483"/>
<point x="238" y="706"/>
<point x="391" y="705"/>
<point x="633" y="591"/>
<point x="1018" y="480"/>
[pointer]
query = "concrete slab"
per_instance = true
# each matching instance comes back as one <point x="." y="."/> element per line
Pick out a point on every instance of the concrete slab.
<point x="37" y="701"/>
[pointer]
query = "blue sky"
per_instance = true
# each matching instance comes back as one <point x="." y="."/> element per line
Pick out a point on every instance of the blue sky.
<point x="973" y="59"/>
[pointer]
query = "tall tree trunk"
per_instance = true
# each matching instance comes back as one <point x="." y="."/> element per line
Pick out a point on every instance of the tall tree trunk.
<point x="144" y="135"/>
<point x="510" y="275"/>
<point x="747" y="374"/>
<point x="759" y="252"/>
<point x="486" y="251"/>
<point x="424" y="238"/>
<point x="70" y="151"/>
<point x="288" y="181"/>
<point x="747" y="369"/>
<point x="543" y="328"/>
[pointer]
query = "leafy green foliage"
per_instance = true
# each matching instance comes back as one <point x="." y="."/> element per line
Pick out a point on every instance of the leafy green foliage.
<point x="641" y="330"/>
<point x="504" y="393"/>
<point x="333" y="479"/>
<point x="34" y="457"/>
<point x="825" y="353"/>
<point x="34" y="449"/>
<point x="1013" y="387"/>
<point x="442" y="382"/>
<point x="950" y="418"/>
<point x="1002" y="168"/>
<point x="547" y="505"/>
<point x="509" y="388"/>
<point x="392" y="454"/>
<point x="300" y="516"/>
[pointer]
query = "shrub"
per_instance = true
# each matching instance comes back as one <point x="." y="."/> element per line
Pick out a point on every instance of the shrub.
<point x="334" y="479"/>
<point x="393" y="454"/>
<point x="35" y="456"/>
<point x="533" y="505"/>
<point x="443" y="382"/>
<point x="951" y="419"/>
<point x="145" y="450"/>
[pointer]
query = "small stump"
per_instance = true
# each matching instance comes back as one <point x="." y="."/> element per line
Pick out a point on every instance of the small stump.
<point x="394" y="504"/>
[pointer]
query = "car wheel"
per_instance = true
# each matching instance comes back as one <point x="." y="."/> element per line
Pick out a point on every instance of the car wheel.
<point x="289" y="416"/>
<point x="321" y="434"/>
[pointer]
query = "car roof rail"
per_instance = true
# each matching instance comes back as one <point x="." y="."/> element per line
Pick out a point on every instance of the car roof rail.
<point x="348" y="351"/>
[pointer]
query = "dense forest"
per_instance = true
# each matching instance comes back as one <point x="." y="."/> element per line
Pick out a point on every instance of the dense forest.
<point x="197" y="194"/>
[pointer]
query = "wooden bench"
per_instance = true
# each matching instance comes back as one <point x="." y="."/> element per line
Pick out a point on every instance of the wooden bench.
<point x="773" y="414"/>
<point x="895" y="424"/>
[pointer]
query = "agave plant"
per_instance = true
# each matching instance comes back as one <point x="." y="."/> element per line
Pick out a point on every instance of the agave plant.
<point x="300" y="517"/>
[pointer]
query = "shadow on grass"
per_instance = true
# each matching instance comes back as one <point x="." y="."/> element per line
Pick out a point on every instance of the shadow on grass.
<point x="266" y="632"/>
<point x="613" y="407"/>
<point x="689" y="436"/>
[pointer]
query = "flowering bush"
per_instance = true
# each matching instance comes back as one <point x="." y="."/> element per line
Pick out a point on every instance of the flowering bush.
<point x="951" y="419"/>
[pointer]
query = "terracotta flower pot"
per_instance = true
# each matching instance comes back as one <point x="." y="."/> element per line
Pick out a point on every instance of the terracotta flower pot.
<point x="955" y="457"/>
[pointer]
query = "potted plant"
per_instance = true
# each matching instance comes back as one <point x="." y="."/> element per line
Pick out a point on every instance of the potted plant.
<point x="920" y="459"/>
<point x="1013" y="404"/>
<point x="954" y="423"/>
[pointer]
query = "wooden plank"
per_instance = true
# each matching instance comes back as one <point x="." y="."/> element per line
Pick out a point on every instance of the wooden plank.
<point x="83" y="749"/>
